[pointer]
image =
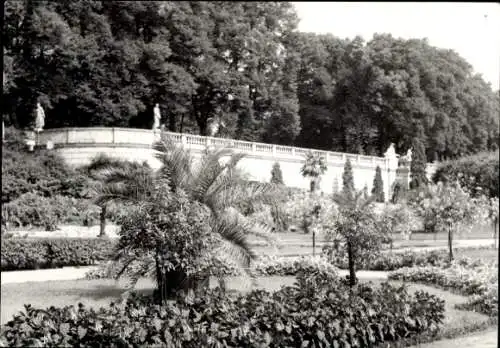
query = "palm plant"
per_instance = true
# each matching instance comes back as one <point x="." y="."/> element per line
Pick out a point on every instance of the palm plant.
<point x="212" y="188"/>
<point x="93" y="171"/>
<point x="314" y="166"/>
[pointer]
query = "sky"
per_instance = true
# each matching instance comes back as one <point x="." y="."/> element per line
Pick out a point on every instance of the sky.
<point x="471" y="29"/>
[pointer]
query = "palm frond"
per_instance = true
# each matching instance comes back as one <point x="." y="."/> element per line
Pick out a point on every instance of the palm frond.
<point x="234" y="237"/>
<point x="210" y="169"/>
<point x="176" y="162"/>
<point x="124" y="185"/>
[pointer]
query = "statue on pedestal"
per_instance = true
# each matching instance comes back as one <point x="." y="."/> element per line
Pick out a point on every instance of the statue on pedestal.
<point x="157" y="117"/>
<point x="40" y="118"/>
<point x="409" y="154"/>
<point x="391" y="152"/>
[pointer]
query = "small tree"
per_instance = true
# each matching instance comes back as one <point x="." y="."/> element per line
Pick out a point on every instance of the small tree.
<point x="347" y="179"/>
<point x="276" y="174"/>
<point x="314" y="166"/>
<point x="451" y="208"/>
<point x="397" y="219"/>
<point x="378" y="186"/>
<point x="336" y="186"/>
<point x="490" y="207"/>
<point x="355" y="231"/>
<point x="365" y="192"/>
<point x="493" y="208"/>
<point x="417" y="167"/>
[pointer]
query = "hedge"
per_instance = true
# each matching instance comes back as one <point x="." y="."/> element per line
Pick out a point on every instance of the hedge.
<point x="42" y="253"/>
<point x="476" y="171"/>
<point x="319" y="311"/>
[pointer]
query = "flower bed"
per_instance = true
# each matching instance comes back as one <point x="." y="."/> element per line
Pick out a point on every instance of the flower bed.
<point x="468" y="277"/>
<point x="318" y="311"/>
<point x="26" y="254"/>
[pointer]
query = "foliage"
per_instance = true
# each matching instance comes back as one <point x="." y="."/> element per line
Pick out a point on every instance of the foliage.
<point x="355" y="231"/>
<point x="418" y="174"/>
<point x="469" y="278"/>
<point x="276" y="174"/>
<point x="245" y="66"/>
<point x="347" y="179"/>
<point x="41" y="172"/>
<point x="318" y="311"/>
<point x="266" y="266"/>
<point x="450" y="207"/>
<point x="477" y="173"/>
<point x="38" y="253"/>
<point x="314" y="166"/>
<point x="378" y="186"/>
<point x="392" y="260"/>
<point x="211" y="193"/>
<point x="32" y="210"/>
<point x="301" y="211"/>
<point x="108" y="64"/>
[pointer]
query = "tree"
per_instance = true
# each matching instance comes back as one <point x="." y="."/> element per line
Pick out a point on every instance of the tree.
<point x="211" y="192"/>
<point x="93" y="170"/>
<point x="365" y="191"/>
<point x="378" y="186"/>
<point x="336" y="186"/>
<point x="347" y="179"/>
<point x="276" y="174"/>
<point x="418" y="165"/>
<point x="451" y="207"/>
<point x="314" y="166"/>
<point x="355" y="231"/>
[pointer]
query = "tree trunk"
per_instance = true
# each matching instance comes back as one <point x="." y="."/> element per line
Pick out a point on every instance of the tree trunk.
<point x="161" y="281"/>
<point x="450" y="242"/>
<point x="102" y="229"/>
<point x="495" y="224"/>
<point x="314" y="241"/>
<point x="352" y="271"/>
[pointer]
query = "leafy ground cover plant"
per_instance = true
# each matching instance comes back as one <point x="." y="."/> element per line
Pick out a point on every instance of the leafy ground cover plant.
<point x="318" y="311"/>
<point x="25" y="254"/>
<point x="467" y="277"/>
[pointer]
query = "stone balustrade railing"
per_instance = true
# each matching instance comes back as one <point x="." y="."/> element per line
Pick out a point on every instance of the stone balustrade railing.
<point x="102" y="136"/>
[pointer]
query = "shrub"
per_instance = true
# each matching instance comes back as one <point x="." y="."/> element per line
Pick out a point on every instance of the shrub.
<point x="276" y="174"/>
<point x="469" y="278"/>
<point x="299" y="207"/>
<point x="393" y="261"/>
<point x="288" y="266"/>
<point x="477" y="173"/>
<point x="318" y="311"/>
<point x="33" y="210"/>
<point x="41" y="172"/>
<point x="418" y="163"/>
<point x="378" y="186"/>
<point x="25" y="254"/>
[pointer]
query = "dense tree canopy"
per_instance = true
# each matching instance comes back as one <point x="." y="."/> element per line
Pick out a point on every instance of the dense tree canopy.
<point x="244" y="65"/>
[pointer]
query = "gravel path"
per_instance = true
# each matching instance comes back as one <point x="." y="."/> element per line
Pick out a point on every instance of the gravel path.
<point x="486" y="339"/>
<point x="74" y="273"/>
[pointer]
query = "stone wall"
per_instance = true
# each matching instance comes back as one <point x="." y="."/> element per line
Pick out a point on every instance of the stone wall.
<point x="78" y="145"/>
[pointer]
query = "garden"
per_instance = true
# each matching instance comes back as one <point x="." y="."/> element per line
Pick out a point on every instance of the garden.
<point x="187" y="268"/>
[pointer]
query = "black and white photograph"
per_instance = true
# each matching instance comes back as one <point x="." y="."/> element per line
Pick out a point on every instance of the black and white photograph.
<point x="240" y="174"/>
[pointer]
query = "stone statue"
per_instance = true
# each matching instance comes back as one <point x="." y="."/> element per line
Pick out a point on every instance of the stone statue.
<point x="391" y="152"/>
<point x="157" y="117"/>
<point x="409" y="154"/>
<point x="40" y="118"/>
